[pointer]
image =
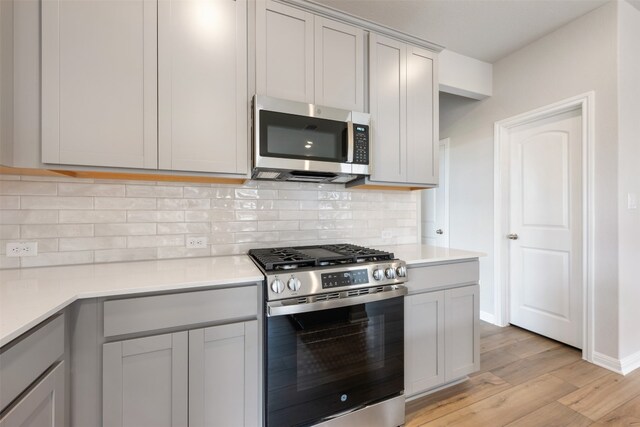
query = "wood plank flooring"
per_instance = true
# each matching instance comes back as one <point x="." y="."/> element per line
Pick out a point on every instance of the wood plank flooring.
<point x="529" y="380"/>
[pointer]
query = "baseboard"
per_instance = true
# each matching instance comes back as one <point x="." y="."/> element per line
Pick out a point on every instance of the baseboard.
<point x="487" y="317"/>
<point x="608" y="362"/>
<point x="630" y="363"/>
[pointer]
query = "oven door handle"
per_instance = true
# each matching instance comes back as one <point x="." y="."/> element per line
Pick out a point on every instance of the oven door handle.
<point x="280" y="308"/>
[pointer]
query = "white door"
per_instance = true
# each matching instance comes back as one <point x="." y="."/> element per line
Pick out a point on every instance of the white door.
<point x="435" y="205"/>
<point x="545" y="255"/>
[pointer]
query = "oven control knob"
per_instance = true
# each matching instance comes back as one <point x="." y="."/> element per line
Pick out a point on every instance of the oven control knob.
<point x="390" y="273"/>
<point x="277" y="286"/>
<point x="378" y="274"/>
<point x="401" y="271"/>
<point x="293" y="284"/>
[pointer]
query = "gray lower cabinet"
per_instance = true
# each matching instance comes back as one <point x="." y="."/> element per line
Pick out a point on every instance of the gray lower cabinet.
<point x="223" y="375"/>
<point x="43" y="405"/>
<point x="442" y="337"/>
<point x="145" y="381"/>
<point x="202" y="377"/>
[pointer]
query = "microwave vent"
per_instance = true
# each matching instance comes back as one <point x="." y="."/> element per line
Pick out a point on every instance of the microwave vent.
<point x="343" y="178"/>
<point x="267" y="175"/>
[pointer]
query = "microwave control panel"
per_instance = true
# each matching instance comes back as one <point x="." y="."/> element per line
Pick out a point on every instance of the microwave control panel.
<point x="361" y="144"/>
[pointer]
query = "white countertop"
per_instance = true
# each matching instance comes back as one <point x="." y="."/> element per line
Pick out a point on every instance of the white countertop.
<point x="29" y="296"/>
<point x="418" y="254"/>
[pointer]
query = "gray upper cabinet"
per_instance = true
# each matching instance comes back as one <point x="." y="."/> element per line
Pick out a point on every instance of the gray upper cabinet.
<point x="202" y="84"/>
<point x="167" y="90"/>
<point x="404" y="112"/>
<point x="99" y="95"/>
<point x="339" y="65"/>
<point x="307" y="58"/>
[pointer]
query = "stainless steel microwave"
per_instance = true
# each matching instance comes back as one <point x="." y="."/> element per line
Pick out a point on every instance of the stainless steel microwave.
<point x="295" y="141"/>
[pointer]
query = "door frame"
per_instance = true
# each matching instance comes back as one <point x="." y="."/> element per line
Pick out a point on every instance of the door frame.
<point x="585" y="103"/>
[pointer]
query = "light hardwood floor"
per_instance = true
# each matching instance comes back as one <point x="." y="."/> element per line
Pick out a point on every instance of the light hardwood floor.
<point x="529" y="380"/>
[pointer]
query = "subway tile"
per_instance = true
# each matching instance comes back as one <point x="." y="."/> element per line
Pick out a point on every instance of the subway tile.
<point x="302" y="215"/>
<point x="334" y="195"/>
<point x="128" y="229"/>
<point x="184" y="228"/>
<point x="53" y="202"/>
<point x="176" y="252"/>
<point x="335" y="214"/>
<point x="270" y="215"/>
<point x="234" y="226"/>
<point x="7" y="177"/>
<point x="58" y="258"/>
<point x="106" y="190"/>
<point x="9" y="202"/>
<point x="309" y="205"/>
<point x="91" y="243"/>
<point x="125" y="203"/>
<point x="6" y="262"/>
<point x="183" y="204"/>
<point x="52" y="230"/>
<point x="297" y="235"/>
<point x="278" y="225"/>
<point x="22" y="188"/>
<point x="153" y="191"/>
<point x="297" y="195"/>
<point x="91" y="217"/>
<point x="208" y="193"/>
<point x="113" y="255"/>
<point x="219" y="238"/>
<point x="9" y="231"/>
<point x="254" y="193"/>
<point x="28" y="217"/>
<point x="256" y="237"/>
<point x="198" y="216"/>
<point x="155" y="216"/>
<point x="317" y="225"/>
<point x="155" y="241"/>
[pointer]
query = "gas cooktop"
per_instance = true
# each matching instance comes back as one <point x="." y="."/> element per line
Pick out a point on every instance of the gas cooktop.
<point x="291" y="258"/>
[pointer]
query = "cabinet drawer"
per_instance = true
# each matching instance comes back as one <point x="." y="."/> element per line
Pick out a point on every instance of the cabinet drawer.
<point x="22" y="363"/>
<point x="127" y="316"/>
<point x="442" y="276"/>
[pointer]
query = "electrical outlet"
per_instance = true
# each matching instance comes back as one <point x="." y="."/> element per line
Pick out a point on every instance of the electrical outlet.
<point x="20" y="249"/>
<point x="387" y="234"/>
<point x="196" y="242"/>
<point x="632" y="201"/>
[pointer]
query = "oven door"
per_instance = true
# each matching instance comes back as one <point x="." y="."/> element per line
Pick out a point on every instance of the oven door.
<point x="331" y="361"/>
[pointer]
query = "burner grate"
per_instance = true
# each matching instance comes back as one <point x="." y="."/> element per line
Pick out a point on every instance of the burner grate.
<point x="295" y="257"/>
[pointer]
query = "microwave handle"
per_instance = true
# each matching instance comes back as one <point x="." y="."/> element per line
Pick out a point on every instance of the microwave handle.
<point x="350" y="142"/>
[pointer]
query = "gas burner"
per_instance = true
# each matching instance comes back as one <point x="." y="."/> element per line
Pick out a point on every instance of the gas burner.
<point x="271" y="259"/>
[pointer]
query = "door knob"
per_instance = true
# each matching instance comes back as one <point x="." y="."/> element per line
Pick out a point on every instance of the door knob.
<point x="439" y="231"/>
<point x="512" y="236"/>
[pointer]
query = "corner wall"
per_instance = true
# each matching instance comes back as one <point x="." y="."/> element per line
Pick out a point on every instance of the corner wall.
<point x="629" y="181"/>
<point x="575" y="59"/>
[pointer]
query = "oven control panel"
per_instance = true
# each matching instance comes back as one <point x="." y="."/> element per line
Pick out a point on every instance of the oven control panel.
<point x="345" y="278"/>
<point x="283" y="285"/>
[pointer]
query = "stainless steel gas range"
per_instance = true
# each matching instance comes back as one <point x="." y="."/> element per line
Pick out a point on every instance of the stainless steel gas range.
<point x="334" y="336"/>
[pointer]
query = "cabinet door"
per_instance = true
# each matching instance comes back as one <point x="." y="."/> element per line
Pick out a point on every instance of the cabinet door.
<point x="99" y="83"/>
<point x="424" y="342"/>
<point x="223" y="376"/>
<point x="422" y="135"/>
<point x="145" y="381"/>
<point x="43" y="405"/>
<point x="202" y="85"/>
<point x="462" y="332"/>
<point x="339" y="62"/>
<point x="284" y="51"/>
<point x="387" y="81"/>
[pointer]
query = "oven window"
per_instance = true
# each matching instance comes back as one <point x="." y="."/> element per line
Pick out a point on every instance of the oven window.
<point x="329" y="361"/>
<point x="299" y="137"/>
<point x="348" y="347"/>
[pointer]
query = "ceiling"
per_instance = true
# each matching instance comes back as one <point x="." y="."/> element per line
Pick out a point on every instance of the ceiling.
<point x="487" y="30"/>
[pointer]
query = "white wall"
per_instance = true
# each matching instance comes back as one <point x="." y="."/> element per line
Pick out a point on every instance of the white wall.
<point x="629" y="176"/>
<point x="575" y="59"/>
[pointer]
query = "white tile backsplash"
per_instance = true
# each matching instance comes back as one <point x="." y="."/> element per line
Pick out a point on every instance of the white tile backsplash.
<point x="84" y="221"/>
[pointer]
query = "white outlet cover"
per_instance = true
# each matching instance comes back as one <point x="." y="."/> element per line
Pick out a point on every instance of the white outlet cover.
<point x="197" y="242"/>
<point x="632" y="201"/>
<point x="21" y="249"/>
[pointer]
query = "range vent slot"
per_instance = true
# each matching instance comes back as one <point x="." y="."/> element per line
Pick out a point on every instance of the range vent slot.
<point x="356" y="292"/>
